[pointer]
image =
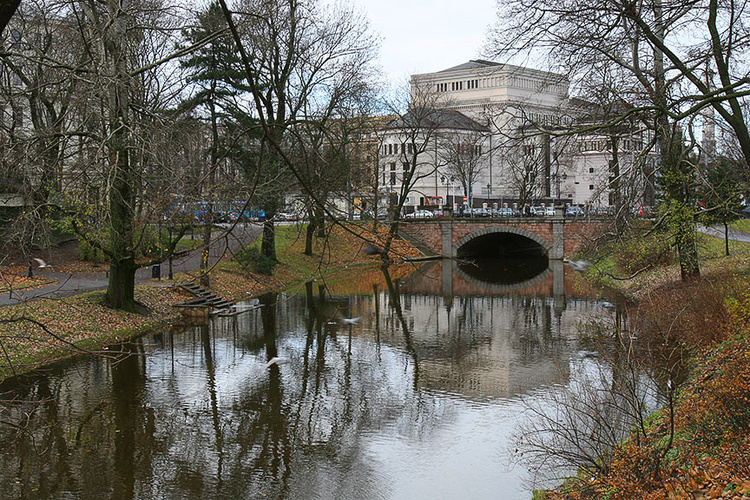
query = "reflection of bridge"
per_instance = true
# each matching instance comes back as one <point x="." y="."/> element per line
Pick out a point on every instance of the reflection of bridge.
<point x="445" y="278"/>
<point x="555" y="237"/>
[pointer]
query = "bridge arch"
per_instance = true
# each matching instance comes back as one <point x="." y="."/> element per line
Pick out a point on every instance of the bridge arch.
<point x="510" y="234"/>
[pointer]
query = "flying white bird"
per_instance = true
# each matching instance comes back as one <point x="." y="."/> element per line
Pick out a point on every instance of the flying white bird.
<point x="41" y="263"/>
<point x="350" y="321"/>
<point x="277" y="361"/>
<point x="579" y="265"/>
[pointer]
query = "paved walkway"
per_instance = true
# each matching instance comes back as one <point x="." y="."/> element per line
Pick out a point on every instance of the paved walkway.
<point x="718" y="232"/>
<point x="80" y="282"/>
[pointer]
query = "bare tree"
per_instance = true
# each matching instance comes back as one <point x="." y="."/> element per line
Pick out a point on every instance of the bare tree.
<point x="295" y="56"/>
<point x="408" y="154"/>
<point x="526" y="162"/>
<point x="463" y="153"/>
<point x="609" y="399"/>
<point x="665" y="55"/>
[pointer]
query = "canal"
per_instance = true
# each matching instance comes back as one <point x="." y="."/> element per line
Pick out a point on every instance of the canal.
<point x="402" y="386"/>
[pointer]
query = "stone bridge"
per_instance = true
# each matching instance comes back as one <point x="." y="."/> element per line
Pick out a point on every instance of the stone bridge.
<point x="555" y="237"/>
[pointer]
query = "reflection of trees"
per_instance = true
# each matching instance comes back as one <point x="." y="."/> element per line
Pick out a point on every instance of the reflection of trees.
<point x="211" y="386"/>
<point x="395" y="298"/>
<point x="130" y="422"/>
<point x="84" y="431"/>
<point x="608" y="399"/>
<point x="224" y="426"/>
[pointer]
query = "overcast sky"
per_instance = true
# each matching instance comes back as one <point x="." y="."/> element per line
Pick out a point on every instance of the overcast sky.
<point x="424" y="36"/>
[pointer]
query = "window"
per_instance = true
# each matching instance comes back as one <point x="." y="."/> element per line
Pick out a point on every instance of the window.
<point x="405" y="166"/>
<point x="393" y="178"/>
<point x="393" y="166"/>
<point x="390" y="149"/>
<point x="411" y="148"/>
<point x="591" y="187"/>
<point x="403" y="148"/>
<point x="591" y="170"/>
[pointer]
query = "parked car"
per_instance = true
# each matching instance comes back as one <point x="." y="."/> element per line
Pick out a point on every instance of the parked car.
<point x="746" y="212"/>
<point x="476" y="212"/>
<point x="549" y="211"/>
<point x="505" y="212"/>
<point x="287" y="216"/>
<point x="601" y="211"/>
<point x="419" y="214"/>
<point x="536" y="211"/>
<point x="574" y="211"/>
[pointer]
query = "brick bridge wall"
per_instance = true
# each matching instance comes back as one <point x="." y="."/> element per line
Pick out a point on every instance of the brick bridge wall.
<point x="560" y="237"/>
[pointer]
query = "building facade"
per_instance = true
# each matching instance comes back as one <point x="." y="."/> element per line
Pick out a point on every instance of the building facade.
<point x="506" y="140"/>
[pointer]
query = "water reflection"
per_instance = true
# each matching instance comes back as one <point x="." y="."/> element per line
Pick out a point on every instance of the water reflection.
<point x="418" y="400"/>
<point x="509" y="271"/>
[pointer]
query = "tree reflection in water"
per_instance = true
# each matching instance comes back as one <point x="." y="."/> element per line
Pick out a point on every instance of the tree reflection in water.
<point x="416" y="399"/>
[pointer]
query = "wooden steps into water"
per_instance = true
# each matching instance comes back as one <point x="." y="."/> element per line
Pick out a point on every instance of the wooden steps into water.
<point x="204" y="299"/>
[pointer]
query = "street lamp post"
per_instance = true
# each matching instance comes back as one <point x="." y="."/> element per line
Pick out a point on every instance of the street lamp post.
<point x="448" y="183"/>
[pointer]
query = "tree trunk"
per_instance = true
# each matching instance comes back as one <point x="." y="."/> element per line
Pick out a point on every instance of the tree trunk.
<point x="686" y="248"/>
<point x="268" y="244"/>
<point x="309" y="235"/>
<point x="121" y="285"/>
<point x="206" y="251"/>
<point x="676" y="172"/>
<point x="209" y="222"/>
<point x="7" y="9"/>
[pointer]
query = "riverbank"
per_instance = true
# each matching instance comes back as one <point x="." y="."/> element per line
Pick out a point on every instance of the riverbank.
<point x="41" y="331"/>
<point x="700" y="449"/>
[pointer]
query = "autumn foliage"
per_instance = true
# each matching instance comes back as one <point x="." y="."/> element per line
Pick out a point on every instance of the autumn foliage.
<point x="710" y="454"/>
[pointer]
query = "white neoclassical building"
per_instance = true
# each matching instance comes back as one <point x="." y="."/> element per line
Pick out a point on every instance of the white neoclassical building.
<point x="500" y="140"/>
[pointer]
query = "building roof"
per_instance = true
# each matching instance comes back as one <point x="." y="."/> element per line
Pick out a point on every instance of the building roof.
<point x="472" y="64"/>
<point x="438" y="118"/>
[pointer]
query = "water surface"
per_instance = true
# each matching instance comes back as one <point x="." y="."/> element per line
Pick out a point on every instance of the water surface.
<point x="418" y="400"/>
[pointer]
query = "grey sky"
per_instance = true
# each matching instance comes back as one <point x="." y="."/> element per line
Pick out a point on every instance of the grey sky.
<point x="423" y="36"/>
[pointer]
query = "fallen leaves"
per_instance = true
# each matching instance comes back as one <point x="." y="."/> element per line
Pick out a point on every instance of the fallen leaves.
<point x="18" y="279"/>
<point x="35" y="332"/>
